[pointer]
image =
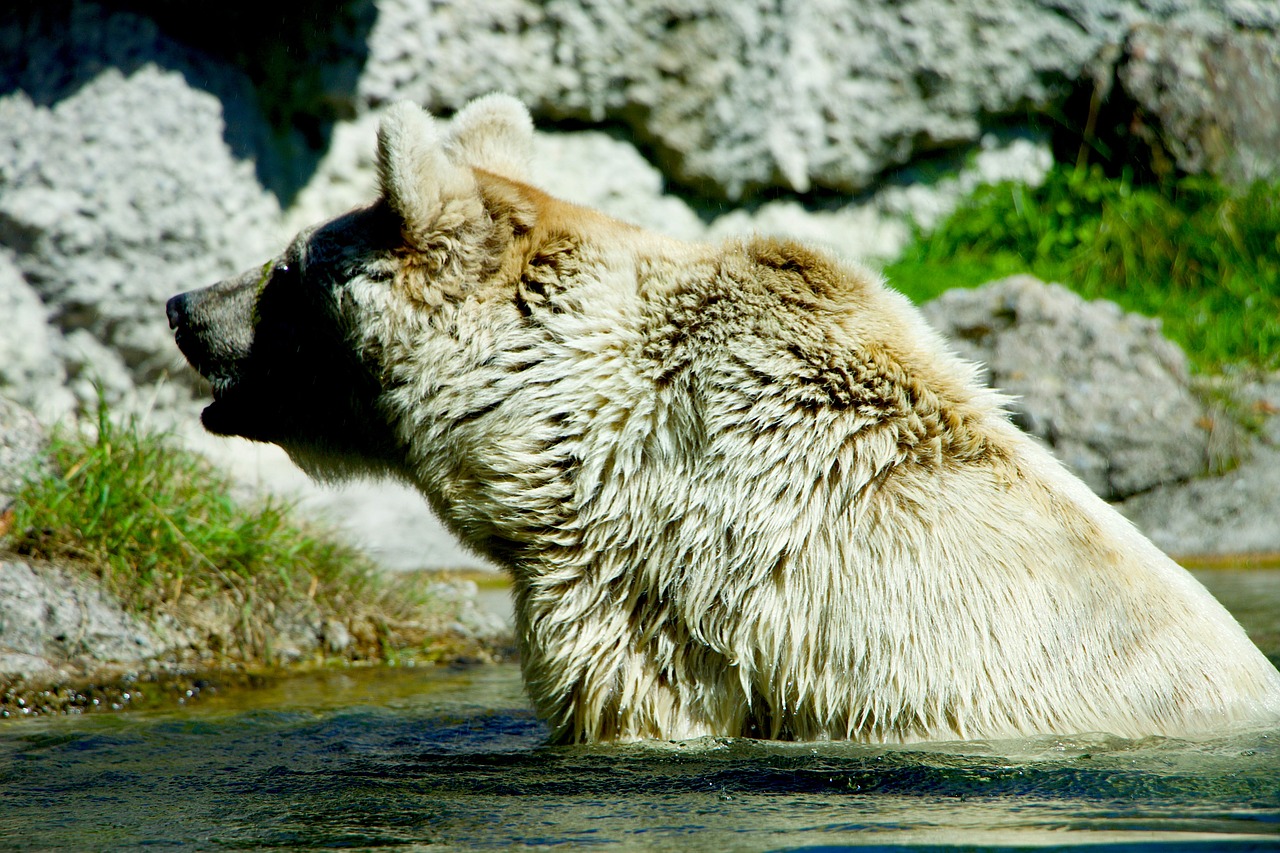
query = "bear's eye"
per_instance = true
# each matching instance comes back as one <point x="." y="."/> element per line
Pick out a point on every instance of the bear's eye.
<point x="291" y="270"/>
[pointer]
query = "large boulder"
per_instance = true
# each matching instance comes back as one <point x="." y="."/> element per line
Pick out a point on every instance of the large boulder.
<point x="118" y="187"/>
<point x="736" y="97"/>
<point x="1202" y="102"/>
<point x="729" y="99"/>
<point x="879" y="226"/>
<point x="1234" y="513"/>
<point x="1104" y="388"/>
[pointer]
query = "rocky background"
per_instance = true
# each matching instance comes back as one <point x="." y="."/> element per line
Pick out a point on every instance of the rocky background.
<point x="150" y="146"/>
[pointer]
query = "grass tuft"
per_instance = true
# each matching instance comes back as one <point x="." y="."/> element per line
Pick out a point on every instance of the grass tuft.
<point x="161" y="529"/>
<point x="1203" y="257"/>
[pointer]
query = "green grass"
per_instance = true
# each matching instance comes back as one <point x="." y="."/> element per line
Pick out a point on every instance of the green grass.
<point x="161" y="529"/>
<point x="1202" y="257"/>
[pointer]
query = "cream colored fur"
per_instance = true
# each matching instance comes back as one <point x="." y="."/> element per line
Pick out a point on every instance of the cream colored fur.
<point x="743" y="489"/>
<point x="493" y="133"/>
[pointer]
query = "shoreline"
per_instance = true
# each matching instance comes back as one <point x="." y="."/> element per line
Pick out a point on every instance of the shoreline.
<point x="81" y="686"/>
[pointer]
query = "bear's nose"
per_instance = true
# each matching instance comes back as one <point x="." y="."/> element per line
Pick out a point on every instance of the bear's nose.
<point x="176" y="308"/>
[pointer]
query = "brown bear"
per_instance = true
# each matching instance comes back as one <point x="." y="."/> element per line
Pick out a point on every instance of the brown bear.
<point x="741" y="489"/>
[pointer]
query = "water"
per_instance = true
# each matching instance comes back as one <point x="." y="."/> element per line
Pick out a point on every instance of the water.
<point x="417" y="758"/>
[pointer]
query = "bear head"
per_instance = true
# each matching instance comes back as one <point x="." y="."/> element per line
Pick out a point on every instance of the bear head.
<point x="293" y="349"/>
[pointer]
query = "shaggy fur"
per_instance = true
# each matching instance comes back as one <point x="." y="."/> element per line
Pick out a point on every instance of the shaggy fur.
<point x="741" y="489"/>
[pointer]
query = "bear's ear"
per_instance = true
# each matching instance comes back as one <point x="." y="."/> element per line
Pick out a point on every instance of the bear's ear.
<point x="494" y="133"/>
<point x="425" y="187"/>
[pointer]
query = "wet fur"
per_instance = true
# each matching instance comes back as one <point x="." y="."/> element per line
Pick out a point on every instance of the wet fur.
<point x="742" y="489"/>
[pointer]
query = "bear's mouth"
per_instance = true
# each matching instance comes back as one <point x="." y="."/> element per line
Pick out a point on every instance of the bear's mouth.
<point x="236" y="411"/>
<point x="219" y="387"/>
<point x="226" y="413"/>
<point x="223" y="415"/>
<point x="218" y="416"/>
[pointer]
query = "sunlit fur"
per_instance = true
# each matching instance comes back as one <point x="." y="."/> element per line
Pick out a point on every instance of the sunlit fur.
<point x="743" y="489"/>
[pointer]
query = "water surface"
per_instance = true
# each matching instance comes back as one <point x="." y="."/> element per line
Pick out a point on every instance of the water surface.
<point x="431" y="758"/>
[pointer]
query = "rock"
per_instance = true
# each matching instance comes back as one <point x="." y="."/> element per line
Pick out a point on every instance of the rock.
<point x="927" y="194"/>
<point x="123" y="189"/>
<point x="1203" y="102"/>
<point x="95" y="369"/>
<point x="50" y="51"/>
<point x="1105" y="389"/>
<point x="22" y="445"/>
<point x="49" y="617"/>
<point x="345" y="177"/>
<point x="736" y="98"/>
<point x="1230" y="514"/>
<point x="618" y="181"/>
<point x="1261" y="399"/>
<point x="336" y="637"/>
<point x="471" y="621"/>
<point x="1235" y="513"/>
<point x="31" y="373"/>
<point x="17" y="665"/>
<point x="880" y="227"/>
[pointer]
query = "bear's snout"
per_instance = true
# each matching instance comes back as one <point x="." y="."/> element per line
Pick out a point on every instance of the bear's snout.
<point x="213" y="326"/>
